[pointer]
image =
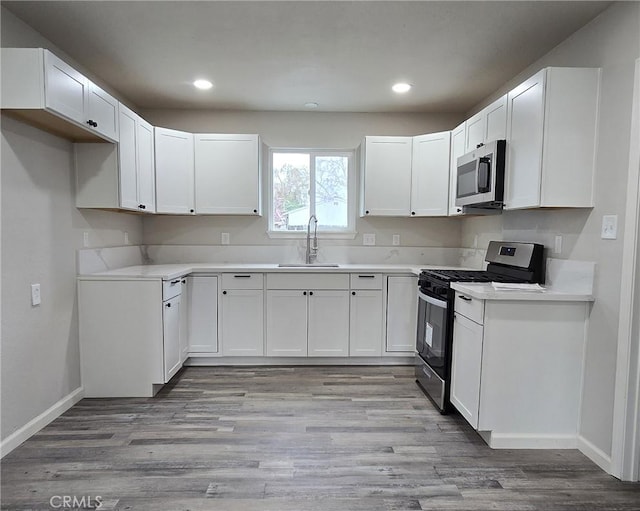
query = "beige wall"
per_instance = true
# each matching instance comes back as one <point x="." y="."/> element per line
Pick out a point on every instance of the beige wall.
<point x="307" y="130"/>
<point x="41" y="230"/>
<point x="611" y="41"/>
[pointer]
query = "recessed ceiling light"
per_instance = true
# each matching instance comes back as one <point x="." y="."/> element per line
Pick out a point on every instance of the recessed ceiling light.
<point x="401" y="88"/>
<point x="203" y="84"/>
<point x="311" y="104"/>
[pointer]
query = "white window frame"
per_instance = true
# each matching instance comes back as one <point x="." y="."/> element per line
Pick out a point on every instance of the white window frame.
<point x="352" y="199"/>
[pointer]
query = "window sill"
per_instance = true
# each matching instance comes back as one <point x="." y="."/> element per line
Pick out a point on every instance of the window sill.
<point x="300" y="235"/>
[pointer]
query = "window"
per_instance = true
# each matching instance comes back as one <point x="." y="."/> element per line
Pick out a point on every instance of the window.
<point x="317" y="182"/>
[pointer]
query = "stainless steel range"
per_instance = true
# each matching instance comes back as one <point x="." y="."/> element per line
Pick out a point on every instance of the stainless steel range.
<point x="508" y="262"/>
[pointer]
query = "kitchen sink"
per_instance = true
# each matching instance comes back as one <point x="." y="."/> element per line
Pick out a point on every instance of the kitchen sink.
<point x="308" y="265"/>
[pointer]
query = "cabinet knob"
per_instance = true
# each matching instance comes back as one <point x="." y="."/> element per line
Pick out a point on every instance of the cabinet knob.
<point x="255" y="210"/>
<point x="413" y="213"/>
<point x="304" y="293"/>
<point x="353" y="293"/>
<point x="310" y="292"/>
<point x="191" y="210"/>
<point x="224" y="292"/>
<point x="184" y="281"/>
<point x="168" y="305"/>
<point x="366" y="212"/>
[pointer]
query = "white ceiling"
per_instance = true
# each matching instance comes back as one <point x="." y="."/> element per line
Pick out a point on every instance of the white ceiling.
<point x="266" y="55"/>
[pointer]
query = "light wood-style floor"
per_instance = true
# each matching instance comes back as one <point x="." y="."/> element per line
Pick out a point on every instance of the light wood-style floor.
<point x="285" y="439"/>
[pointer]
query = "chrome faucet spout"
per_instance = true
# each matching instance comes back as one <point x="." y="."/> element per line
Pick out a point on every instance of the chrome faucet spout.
<point x="312" y="244"/>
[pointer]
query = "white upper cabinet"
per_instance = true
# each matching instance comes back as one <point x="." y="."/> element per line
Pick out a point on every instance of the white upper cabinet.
<point x="227" y="174"/>
<point x="487" y="125"/>
<point x="43" y="90"/>
<point x="118" y="176"/>
<point x="174" y="171"/>
<point x="551" y="139"/>
<point x="458" y="141"/>
<point x="135" y="161"/>
<point x="430" y="174"/>
<point x="386" y="176"/>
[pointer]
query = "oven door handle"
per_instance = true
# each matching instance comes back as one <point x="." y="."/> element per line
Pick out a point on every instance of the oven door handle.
<point x="433" y="301"/>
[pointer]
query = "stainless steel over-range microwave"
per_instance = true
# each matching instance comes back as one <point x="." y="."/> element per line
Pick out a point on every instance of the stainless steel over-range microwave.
<point x="480" y="176"/>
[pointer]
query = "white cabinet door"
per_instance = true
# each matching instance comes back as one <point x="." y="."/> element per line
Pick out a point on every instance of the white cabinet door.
<point x="365" y="324"/>
<point x="495" y="120"/>
<point x="65" y="89"/>
<point x="203" y="314"/>
<point x="466" y="364"/>
<point x="171" y="337"/>
<point x="242" y="322"/>
<point x="457" y="150"/>
<point x="474" y="132"/>
<point x="102" y="112"/>
<point x="328" y="323"/>
<point x="146" y="166"/>
<point x="402" y="314"/>
<point x="127" y="159"/>
<point x="386" y="178"/>
<point x="227" y="174"/>
<point x="287" y="323"/>
<point x="174" y="171"/>
<point x="430" y="174"/>
<point x="524" y="143"/>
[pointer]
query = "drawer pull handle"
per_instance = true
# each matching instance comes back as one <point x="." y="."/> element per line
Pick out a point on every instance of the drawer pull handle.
<point x="174" y="282"/>
<point x="366" y="276"/>
<point x="465" y="298"/>
<point x="242" y="276"/>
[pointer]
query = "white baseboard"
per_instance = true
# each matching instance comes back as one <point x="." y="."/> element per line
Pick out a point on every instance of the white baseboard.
<point x="204" y="360"/>
<point x="528" y="441"/>
<point x="595" y="454"/>
<point x="33" y="426"/>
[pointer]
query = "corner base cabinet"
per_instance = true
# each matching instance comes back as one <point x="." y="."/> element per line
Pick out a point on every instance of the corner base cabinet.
<point x="121" y="337"/>
<point x="517" y="369"/>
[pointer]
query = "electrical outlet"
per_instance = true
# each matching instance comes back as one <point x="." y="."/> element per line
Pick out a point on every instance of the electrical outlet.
<point x="35" y="294"/>
<point x="557" y="248"/>
<point x="369" y="239"/>
<point x="85" y="239"/>
<point x="396" y="240"/>
<point x="224" y="238"/>
<point x="126" y="238"/>
<point x="609" y="227"/>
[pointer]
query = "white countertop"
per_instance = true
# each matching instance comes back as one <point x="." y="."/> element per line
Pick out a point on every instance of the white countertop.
<point x="173" y="271"/>
<point x="485" y="291"/>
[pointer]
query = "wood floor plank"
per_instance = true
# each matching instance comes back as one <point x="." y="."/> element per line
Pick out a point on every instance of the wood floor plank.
<point x="293" y="439"/>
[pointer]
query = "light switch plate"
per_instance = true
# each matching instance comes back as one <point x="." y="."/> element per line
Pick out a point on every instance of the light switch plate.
<point x="396" y="240"/>
<point x="369" y="239"/>
<point x="224" y="238"/>
<point x="609" y="227"/>
<point x="557" y="249"/>
<point x="35" y="294"/>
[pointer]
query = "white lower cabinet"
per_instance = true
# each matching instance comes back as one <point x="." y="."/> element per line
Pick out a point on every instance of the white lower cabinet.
<point x="307" y="315"/>
<point x="467" y="363"/>
<point x="286" y="323"/>
<point x="242" y="315"/>
<point x="366" y="311"/>
<point x="129" y="336"/>
<point x="171" y="336"/>
<point x="203" y="314"/>
<point x="517" y="369"/>
<point x="402" y="314"/>
<point x="328" y="323"/>
<point x="184" y="320"/>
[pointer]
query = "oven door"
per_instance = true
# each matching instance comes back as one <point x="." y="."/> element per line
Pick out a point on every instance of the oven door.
<point x="431" y="342"/>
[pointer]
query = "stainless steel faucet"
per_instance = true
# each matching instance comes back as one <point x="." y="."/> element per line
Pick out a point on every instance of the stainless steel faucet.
<point x="312" y="244"/>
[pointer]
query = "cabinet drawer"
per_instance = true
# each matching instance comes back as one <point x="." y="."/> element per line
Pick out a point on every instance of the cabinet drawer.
<point x="171" y="288"/>
<point x="472" y="308"/>
<point x="242" y="280"/>
<point x="366" y="281"/>
<point x="308" y="281"/>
